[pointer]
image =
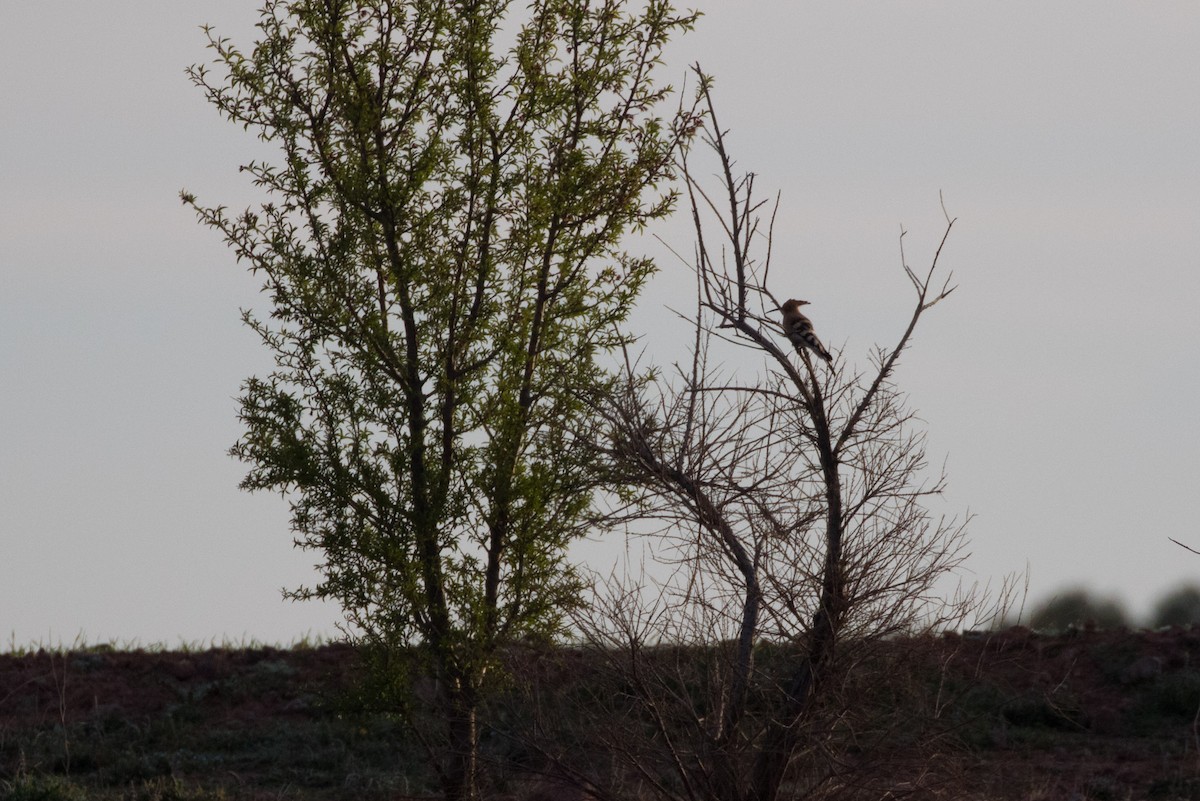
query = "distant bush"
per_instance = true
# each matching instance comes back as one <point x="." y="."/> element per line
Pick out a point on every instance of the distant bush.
<point x="1076" y="608"/>
<point x="1180" y="607"/>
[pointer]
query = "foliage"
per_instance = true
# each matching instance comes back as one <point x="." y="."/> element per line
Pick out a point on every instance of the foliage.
<point x="1179" y="607"/>
<point x="48" y="788"/>
<point x="442" y="253"/>
<point x="1076" y="608"/>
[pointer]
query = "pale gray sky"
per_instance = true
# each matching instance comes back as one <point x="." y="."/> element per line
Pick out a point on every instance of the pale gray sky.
<point x="1059" y="382"/>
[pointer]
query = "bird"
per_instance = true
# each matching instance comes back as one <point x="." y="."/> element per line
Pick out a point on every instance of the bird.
<point x="799" y="329"/>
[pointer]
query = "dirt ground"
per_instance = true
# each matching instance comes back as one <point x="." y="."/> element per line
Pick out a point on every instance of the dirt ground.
<point x="1081" y="715"/>
<point x="1084" y="715"/>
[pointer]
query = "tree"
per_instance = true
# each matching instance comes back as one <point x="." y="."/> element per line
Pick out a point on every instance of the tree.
<point x="1179" y="607"/>
<point x="1078" y="607"/>
<point x="794" y="501"/>
<point x="442" y="252"/>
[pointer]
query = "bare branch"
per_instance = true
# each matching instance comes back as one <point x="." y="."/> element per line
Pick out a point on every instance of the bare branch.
<point x="1181" y="545"/>
<point x="888" y="364"/>
<point x="789" y="505"/>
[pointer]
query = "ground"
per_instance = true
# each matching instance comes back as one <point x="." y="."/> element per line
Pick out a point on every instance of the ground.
<point x="1080" y="715"/>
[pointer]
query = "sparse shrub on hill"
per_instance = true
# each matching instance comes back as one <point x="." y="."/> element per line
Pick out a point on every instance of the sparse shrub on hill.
<point x="1179" y="607"/>
<point x="1079" y="607"/>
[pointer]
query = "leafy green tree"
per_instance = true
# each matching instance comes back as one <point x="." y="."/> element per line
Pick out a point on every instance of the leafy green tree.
<point x="441" y="247"/>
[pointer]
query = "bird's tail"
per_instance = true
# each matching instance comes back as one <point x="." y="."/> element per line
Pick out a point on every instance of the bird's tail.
<point x="817" y="348"/>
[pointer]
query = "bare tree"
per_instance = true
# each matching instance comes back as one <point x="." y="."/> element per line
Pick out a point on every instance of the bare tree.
<point x="793" y="503"/>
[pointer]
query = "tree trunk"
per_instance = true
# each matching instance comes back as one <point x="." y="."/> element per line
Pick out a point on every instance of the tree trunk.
<point x="460" y="774"/>
<point x="783" y="735"/>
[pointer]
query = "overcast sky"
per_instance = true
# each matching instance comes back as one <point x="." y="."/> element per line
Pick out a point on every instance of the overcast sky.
<point x="1059" y="383"/>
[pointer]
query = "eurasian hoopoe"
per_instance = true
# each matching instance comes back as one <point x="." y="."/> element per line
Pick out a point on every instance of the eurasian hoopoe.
<point x="799" y="329"/>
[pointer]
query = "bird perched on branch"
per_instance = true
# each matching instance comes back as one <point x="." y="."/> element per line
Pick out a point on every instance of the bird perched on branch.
<point x="799" y="329"/>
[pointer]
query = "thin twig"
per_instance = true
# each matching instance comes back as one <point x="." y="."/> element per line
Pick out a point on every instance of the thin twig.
<point x="1185" y="547"/>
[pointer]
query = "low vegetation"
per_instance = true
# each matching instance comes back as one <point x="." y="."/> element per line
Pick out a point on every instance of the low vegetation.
<point x="1090" y="714"/>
